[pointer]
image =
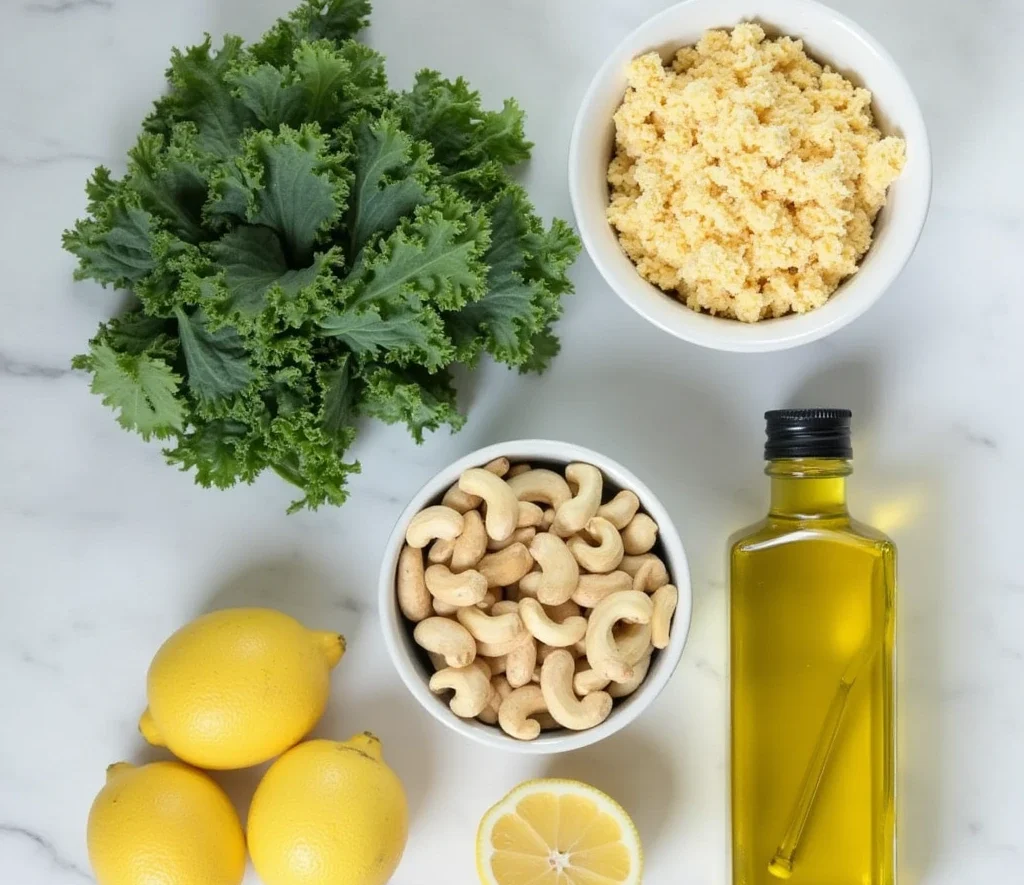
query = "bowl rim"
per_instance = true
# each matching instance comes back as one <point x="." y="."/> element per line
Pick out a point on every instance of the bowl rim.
<point x="792" y="330"/>
<point x="391" y="620"/>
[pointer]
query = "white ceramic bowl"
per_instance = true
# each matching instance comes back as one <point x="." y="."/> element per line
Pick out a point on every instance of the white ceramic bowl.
<point x="829" y="38"/>
<point x="415" y="670"/>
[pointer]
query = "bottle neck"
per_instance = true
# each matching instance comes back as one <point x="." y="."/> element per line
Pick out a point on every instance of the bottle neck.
<point x="808" y="487"/>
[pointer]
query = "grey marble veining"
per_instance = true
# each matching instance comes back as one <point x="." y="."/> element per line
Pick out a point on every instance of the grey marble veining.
<point x="106" y="550"/>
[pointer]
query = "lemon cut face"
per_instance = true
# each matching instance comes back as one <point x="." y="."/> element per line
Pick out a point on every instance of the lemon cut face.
<point x="558" y="832"/>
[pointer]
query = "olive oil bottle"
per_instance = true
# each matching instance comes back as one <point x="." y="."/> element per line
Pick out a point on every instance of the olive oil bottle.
<point x="811" y="671"/>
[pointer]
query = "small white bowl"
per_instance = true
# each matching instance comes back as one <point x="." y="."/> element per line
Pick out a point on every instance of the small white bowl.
<point x="829" y="38"/>
<point x="409" y="658"/>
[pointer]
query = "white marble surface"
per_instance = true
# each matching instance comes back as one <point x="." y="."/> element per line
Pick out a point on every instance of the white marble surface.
<point x="106" y="550"/>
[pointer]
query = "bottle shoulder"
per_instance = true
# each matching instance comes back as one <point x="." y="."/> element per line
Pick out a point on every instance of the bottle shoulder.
<point x="749" y="535"/>
<point x="870" y="533"/>
<point x="772" y="532"/>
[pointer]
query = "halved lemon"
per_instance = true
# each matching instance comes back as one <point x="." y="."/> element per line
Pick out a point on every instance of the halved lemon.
<point x="558" y="832"/>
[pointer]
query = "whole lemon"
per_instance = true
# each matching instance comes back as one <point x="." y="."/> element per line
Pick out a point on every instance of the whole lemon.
<point x="164" y="822"/>
<point x="326" y="813"/>
<point x="237" y="687"/>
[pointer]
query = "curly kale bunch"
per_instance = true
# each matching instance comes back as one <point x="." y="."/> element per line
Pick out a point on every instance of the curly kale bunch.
<point x="307" y="247"/>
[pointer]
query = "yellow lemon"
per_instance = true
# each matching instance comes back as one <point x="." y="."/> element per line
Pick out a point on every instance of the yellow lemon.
<point x="328" y="812"/>
<point x="558" y="832"/>
<point x="164" y="822"/>
<point x="237" y="687"/>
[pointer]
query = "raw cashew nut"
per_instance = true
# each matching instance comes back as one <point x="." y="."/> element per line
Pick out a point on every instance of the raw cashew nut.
<point x="545" y="630"/>
<point x="620" y="509"/>
<point x="529" y="515"/>
<point x="541" y="485"/>
<point x="573" y="515"/>
<point x="515" y="712"/>
<point x="556" y="680"/>
<point x="502" y="504"/>
<point x="560" y="573"/>
<point x="413" y="596"/>
<point x="441" y="550"/>
<point x="603" y="653"/>
<point x="437" y="661"/>
<point x="544" y="650"/>
<point x="506" y="566"/>
<point x="633" y="641"/>
<point x="469" y="547"/>
<point x="446" y="637"/>
<point x="459" y="500"/>
<point x="472" y="687"/>
<point x="499" y="466"/>
<point x="519" y="536"/>
<point x="433" y="522"/>
<point x="665" y="600"/>
<point x="607" y="555"/>
<point x="516" y="469"/>
<point x="465" y="588"/>
<point x="647" y="579"/>
<point x="520" y="662"/>
<point x="490" y="597"/>
<point x="640" y="535"/>
<point x="529" y="584"/>
<point x="492" y="629"/>
<point x="548" y="519"/>
<point x="500" y="649"/>
<point x="577" y="650"/>
<point x="489" y="715"/>
<point x="500" y="689"/>
<point x="631" y="564"/>
<point x="559" y="613"/>
<point x="443" y="608"/>
<point x="593" y="588"/>
<point x="547" y="722"/>
<point x="650" y="576"/>
<point x="624" y="689"/>
<point x="587" y="680"/>
<point x="495" y="665"/>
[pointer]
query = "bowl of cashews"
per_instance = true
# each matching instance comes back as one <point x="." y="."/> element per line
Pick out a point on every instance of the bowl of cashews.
<point x="535" y="596"/>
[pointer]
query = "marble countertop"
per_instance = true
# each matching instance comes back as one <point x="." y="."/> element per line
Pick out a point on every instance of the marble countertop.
<point x="106" y="550"/>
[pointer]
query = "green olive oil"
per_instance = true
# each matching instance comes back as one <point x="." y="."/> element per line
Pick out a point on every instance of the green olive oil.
<point x="812" y="628"/>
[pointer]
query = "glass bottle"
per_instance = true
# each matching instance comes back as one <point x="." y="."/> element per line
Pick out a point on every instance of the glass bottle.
<point x="811" y="672"/>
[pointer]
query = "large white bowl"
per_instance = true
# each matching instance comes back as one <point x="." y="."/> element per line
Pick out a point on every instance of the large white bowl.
<point x="409" y="658"/>
<point x="829" y="38"/>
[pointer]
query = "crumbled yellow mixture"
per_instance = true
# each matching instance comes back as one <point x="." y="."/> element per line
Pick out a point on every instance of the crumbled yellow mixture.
<point x="747" y="177"/>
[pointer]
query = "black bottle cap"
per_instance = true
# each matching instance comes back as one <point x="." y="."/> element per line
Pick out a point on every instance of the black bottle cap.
<point x="807" y="433"/>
